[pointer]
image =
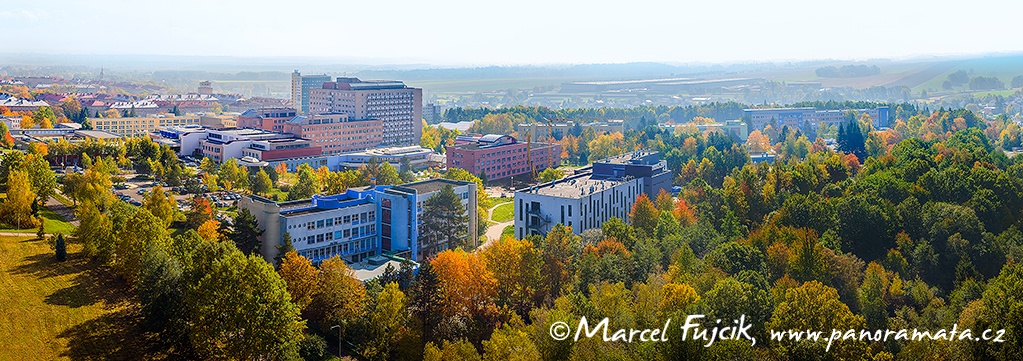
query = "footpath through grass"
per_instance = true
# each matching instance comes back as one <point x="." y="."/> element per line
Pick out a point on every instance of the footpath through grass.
<point x="53" y="310"/>
<point x="504" y="212"/>
<point x="52" y="223"/>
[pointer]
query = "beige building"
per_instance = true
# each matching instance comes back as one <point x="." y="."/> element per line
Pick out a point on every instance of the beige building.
<point x="223" y="121"/>
<point x="400" y="107"/>
<point x="139" y="126"/>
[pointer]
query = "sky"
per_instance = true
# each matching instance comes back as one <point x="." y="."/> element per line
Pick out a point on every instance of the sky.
<point x="482" y="32"/>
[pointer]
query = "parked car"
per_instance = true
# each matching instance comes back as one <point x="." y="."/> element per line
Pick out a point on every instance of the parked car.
<point x="141" y="191"/>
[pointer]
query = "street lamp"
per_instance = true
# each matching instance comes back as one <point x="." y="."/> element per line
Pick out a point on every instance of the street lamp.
<point x="338" y="327"/>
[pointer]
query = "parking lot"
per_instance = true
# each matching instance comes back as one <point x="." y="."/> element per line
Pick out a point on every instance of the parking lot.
<point x="134" y="191"/>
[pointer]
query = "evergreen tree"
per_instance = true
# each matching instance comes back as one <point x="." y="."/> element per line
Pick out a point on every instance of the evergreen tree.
<point x="427" y="301"/>
<point x="283" y="249"/>
<point x="850" y="139"/>
<point x="246" y="232"/>
<point x="61" y="248"/>
<point x="42" y="230"/>
<point x="444" y="222"/>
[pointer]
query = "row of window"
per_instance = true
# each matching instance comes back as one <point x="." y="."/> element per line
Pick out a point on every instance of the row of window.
<point x="343" y="249"/>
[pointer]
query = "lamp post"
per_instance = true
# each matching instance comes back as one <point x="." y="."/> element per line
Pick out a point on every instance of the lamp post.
<point x="338" y="327"/>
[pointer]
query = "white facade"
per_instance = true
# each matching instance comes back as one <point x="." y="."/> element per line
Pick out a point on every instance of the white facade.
<point x="347" y="231"/>
<point x="577" y="201"/>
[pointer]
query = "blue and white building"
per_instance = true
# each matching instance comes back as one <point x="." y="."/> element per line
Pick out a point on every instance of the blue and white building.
<point x="359" y="223"/>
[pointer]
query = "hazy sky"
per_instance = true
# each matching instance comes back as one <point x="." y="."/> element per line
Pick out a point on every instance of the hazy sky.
<point x="454" y="32"/>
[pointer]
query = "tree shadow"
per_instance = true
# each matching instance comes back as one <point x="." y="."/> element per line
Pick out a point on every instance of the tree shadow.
<point x="90" y="287"/>
<point x="44" y="265"/>
<point x="112" y="336"/>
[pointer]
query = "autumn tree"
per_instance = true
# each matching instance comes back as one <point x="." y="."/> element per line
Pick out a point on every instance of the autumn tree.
<point x="644" y="214"/>
<point x="468" y="290"/>
<point x="134" y="242"/>
<point x="307" y="185"/>
<point x="559" y="248"/>
<point x="17" y="208"/>
<point x="339" y="297"/>
<point x="160" y="205"/>
<point x="339" y="182"/>
<point x="199" y="211"/>
<point x="387" y="321"/>
<point x="300" y="277"/>
<point x="757" y="142"/>
<point x="814" y="306"/>
<point x="606" y="145"/>
<point x="210" y="231"/>
<point x="551" y="174"/>
<point x="241" y="310"/>
<point x="43" y="181"/>
<point x="517" y="266"/>
<point x="510" y="342"/>
<point x="261" y="183"/>
<point x="388" y="175"/>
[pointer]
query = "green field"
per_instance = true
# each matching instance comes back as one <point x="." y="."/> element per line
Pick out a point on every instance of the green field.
<point x="52" y="223"/>
<point x="504" y="212"/>
<point x="67" y="310"/>
<point x="508" y="231"/>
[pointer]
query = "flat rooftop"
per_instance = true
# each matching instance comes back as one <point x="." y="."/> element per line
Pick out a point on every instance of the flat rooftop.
<point x="432" y="185"/>
<point x="572" y="187"/>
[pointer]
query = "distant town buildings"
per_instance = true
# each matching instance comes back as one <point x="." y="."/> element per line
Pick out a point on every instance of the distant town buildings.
<point x="22" y="105"/>
<point x="735" y="128"/>
<point x="300" y="86"/>
<point x="358" y="224"/>
<point x="432" y="113"/>
<point x="205" y="88"/>
<point x="592" y="196"/>
<point x="398" y="106"/>
<point x="501" y="156"/>
<point x="560" y="129"/>
<point x="795" y="117"/>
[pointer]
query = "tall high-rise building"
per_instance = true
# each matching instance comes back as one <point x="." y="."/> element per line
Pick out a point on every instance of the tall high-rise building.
<point x="300" y="86"/>
<point x="399" y="106"/>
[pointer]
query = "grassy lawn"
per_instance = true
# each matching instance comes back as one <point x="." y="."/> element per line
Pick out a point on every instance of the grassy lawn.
<point x="52" y="223"/>
<point x="508" y="231"/>
<point x="59" y="311"/>
<point x="504" y="212"/>
<point x="498" y="200"/>
<point x="62" y="199"/>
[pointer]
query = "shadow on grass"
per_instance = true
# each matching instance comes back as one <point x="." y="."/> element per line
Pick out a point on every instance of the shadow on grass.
<point x="112" y="336"/>
<point x="45" y="265"/>
<point x="90" y="287"/>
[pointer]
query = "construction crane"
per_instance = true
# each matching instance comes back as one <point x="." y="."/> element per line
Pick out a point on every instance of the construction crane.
<point x="550" y="139"/>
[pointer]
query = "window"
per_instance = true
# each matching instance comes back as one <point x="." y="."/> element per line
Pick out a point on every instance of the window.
<point x="329" y="222"/>
<point x="319" y="224"/>
<point x="347" y="233"/>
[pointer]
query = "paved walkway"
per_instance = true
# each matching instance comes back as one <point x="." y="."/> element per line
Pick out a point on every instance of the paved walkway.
<point x="494" y="231"/>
